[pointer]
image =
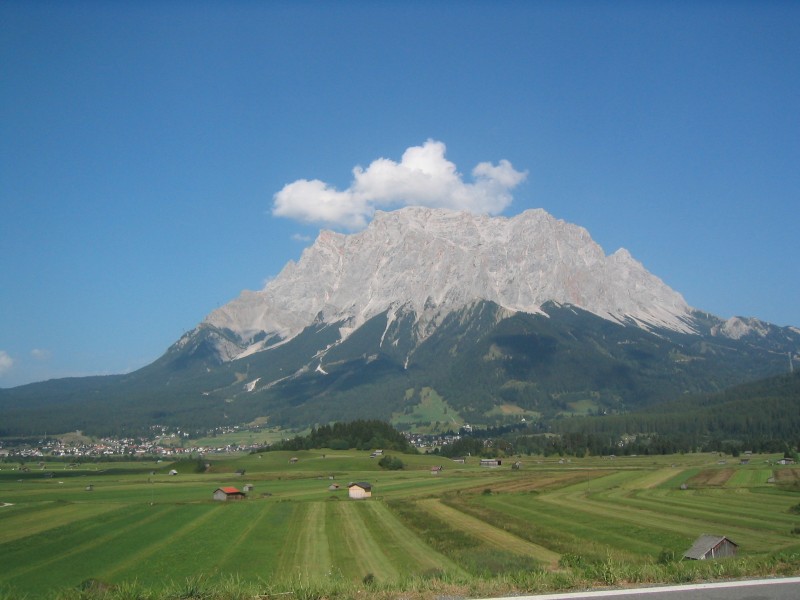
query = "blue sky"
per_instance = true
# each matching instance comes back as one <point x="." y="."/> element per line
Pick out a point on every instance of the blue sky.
<point x="144" y="145"/>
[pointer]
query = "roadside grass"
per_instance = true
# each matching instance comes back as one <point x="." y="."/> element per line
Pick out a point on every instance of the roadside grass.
<point x="604" y="574"/>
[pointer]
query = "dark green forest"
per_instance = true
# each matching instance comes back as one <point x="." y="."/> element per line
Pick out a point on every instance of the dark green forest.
<point x="359" y="435"/>
<point x="763" y="416"/>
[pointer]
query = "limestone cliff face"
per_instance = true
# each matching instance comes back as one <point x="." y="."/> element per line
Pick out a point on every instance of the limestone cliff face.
<point x="430" y="262"/>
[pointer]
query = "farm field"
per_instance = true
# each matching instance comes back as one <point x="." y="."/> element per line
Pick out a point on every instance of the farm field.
<point x="551" y="524"/>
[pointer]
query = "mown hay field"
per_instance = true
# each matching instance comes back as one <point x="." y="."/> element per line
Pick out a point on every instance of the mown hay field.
<point x="62" y="526"/>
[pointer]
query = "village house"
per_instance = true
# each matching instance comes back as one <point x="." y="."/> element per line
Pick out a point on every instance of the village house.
<point x="359" y="490"/>
<point x="491" y="462"/>
<point x="708" y="547"/>
<point x="228" y="493"/>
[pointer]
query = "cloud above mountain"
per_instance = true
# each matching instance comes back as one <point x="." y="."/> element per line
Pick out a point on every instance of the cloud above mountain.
<point x="423" y="177"/>
<point x="6" y="362"/>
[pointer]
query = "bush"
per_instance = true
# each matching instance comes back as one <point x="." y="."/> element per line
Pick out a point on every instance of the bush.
<point x="391" y="463"/>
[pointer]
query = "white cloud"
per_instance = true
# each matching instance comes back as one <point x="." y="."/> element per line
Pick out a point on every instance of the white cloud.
<point x="297" y="237"/>
<point x="40" y="354"/>
<point x="6" y="362"/>
<point x="423" y="177"/>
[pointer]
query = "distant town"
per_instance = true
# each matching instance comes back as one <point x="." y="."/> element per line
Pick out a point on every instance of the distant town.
<point x="164" y="443"/>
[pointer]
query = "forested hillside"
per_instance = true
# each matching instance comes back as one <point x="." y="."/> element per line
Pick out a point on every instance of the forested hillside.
<point x="763" y="415"/>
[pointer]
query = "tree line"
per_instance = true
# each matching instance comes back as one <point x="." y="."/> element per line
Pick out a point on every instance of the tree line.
<point x="359" y="435"/>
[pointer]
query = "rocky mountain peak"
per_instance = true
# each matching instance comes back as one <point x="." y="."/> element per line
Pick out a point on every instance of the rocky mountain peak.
<point x="430" y="262"/>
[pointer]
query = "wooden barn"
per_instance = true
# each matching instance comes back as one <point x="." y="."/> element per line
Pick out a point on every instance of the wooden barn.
<point x="228" y="493"/>
<point x="359" y="490"/>
<point x="708" y="547"/>
<point x="491" y="462"/>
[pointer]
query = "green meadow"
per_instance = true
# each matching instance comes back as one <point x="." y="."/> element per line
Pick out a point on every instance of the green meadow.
<point x="134" y="530"/>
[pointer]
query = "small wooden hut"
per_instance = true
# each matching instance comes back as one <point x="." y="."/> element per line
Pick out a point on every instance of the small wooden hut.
<point x="708" y="547"/>
<point x="359" y="490"/>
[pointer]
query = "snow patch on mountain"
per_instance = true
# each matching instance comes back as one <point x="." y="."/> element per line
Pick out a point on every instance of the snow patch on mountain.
<point x="430" y="262"/>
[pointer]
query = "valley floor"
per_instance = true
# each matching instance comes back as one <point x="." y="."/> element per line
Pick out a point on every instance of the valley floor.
<point x="549" y="525"/>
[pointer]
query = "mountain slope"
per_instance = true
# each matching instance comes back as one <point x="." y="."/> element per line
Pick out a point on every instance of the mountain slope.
<point x="561" y="360"/>
<point x="764" y="410"/>
<point x="498" y="318"/>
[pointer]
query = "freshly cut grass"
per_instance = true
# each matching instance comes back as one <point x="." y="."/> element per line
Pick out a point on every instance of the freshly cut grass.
<point x="527" y="519"/>
<point x="184" y="535"/>
<point x="21" y="521"/>
<point x="749" y="478"/>
<point x="359" y="553"/>
<point x="412" y="555"/>
<point x="611" y="519"/>
<point x="635" y="539"/>
<point x="491" y="536"/>
<point x="740" y="507"/>
<point x="787" y="475"/>
<point x="652" y="479"/>
<point x="256" y="550"/>
<point x="306" y="551"/>
<point x="711" y="477"/>
<point x="70" y="554"/>
<point x="524" y="481"/>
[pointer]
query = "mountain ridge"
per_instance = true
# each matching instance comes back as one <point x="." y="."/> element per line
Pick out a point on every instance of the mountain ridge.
<point x="433" y="261"/>
<point x="480" y="312"/>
